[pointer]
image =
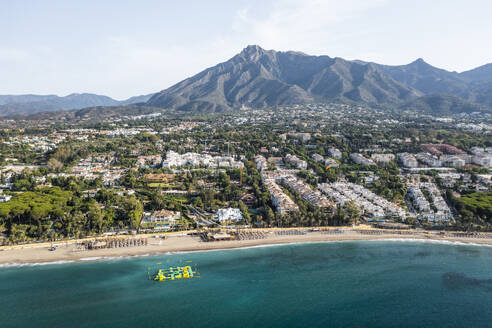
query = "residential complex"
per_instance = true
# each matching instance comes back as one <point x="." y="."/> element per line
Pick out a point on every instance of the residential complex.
<point x="428" y="159"/>
<point x="174" y="159"/>
<point x="334" y="152"/>
<point x="326" y="161"/>
<point x="283" y="203"/>
<point x="261" y="162"/>
<point x="360" y="159"/>
<point x="372" y="206"/>
<point x="383" y="158"/>
<point x="433" y="207"/>
<point x="408" y="160"/>
<point x="294" y="161"/>
<point x="307" y="194"/>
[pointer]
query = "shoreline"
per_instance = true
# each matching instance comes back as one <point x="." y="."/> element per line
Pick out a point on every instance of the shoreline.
<point x="39" y="254"/>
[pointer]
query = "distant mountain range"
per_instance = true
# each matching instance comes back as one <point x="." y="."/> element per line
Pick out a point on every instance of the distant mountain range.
<point x="30" y="104"/>
<point x="257" y="78"/>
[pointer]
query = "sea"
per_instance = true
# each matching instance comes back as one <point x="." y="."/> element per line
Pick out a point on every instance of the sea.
<point x="389" y="283"/>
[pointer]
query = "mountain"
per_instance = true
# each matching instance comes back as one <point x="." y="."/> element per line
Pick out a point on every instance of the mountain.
<point x="483" y="94"/>
<point x="443" y="105"/>
<point x="136" y="99"/>
<point x="30" y="104"/>
<point x="480" y="81"/>
<point x="258" y="78"/>
<point x="427" y="79"/>
<point x="112" y="112"/>
<point x="8" y="99"/>
<point x="479" y="74"/>
<point x="92" y="114"/>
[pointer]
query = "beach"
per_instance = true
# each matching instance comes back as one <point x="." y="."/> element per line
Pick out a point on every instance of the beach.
<point x="183" y="242"/>
<point x="390" y="283"/>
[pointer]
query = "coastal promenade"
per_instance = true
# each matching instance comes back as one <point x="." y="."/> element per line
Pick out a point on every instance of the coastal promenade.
<point x="189" y="241"/>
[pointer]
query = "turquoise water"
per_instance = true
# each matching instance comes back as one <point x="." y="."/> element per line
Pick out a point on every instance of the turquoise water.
<point x="346" y="284"/>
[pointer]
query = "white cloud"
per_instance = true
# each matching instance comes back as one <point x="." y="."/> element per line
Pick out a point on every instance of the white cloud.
<point x="302" y="23"/>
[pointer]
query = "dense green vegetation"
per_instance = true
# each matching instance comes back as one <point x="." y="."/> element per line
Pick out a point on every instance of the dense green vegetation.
<point x="476" y="206"/>
<point x="55" y="213"/>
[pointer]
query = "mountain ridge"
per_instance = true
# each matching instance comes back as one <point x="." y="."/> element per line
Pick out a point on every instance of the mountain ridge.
<point x="31" y="104"/>
<point x="256" y="78"/>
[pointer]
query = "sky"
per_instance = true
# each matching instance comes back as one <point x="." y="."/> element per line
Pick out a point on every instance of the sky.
<point x="124" y="48"/>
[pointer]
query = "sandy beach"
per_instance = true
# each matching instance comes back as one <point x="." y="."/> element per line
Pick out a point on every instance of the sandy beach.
<point x="175" y="242"/>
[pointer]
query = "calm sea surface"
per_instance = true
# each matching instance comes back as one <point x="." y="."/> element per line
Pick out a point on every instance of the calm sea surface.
<point x="345" y="284"/>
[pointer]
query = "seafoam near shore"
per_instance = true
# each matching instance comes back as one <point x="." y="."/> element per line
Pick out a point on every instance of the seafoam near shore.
<point x="174" y="243"/>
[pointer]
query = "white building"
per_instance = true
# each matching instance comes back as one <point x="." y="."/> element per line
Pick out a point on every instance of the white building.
<point x="309" y="195"/>
<point x="428" y="159"/>
<point x="423" y="206"/>
<point x="482" y="160"/>
<point x="408" y="160"/>
<point x="334" y="152"/>
<point x="360" y="159"/>
<point x="5" y="198"/>
<point x="162" y="220"/>
<point x="331" y="162"/>
<point x="477" y="150"/>
<point x="370" y="204"/>
<point x="419" y="201"/>
<point x="261" y="162"/>
<point x="301" y="136"/>
<point x="162" y="216"/>
<point x="174" y="159"/>
<point x="149" y="161"/>
<point x="283" y="203"/>
<point x="229" y="214"/>
<point x="317" y="158"/>
<point x="449" y="178"/>
<point x="295" y="161"/>
<point x="452" y="160"/>
<point x="382" y="158"/>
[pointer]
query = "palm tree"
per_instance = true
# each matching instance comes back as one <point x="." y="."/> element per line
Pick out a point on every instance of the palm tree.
<point x="353" y="212"/>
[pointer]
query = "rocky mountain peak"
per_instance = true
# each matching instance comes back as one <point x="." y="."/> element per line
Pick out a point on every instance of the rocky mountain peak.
<point x="253" y="52"/>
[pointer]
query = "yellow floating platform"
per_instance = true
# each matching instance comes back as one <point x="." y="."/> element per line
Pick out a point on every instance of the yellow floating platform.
<point x="175" y="273"/>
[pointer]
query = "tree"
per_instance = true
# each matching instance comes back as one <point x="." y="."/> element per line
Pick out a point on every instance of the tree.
<point x="269" y="215"/>
<point x="133" y="211"/>
<point x="54" y="164"/>
<point x="244" y="210"/>
<point x="129" y="180"/>
<point x="63" y="153"/>
<point x="95" y="216"/>
<point x="353" y="212"/>
<point x="197" y="202"/>
<point x="224" y="180"/>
